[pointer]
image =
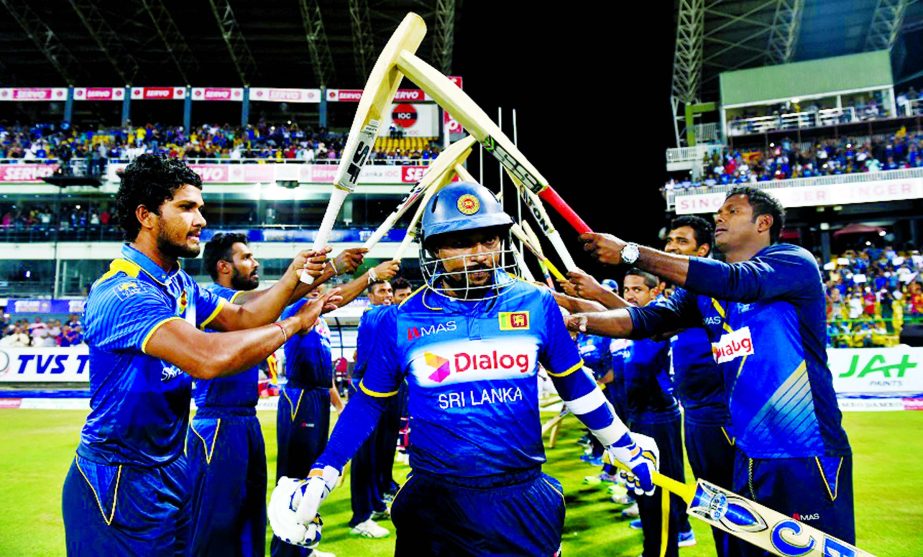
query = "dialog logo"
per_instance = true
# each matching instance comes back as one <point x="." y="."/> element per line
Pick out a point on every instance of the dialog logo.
<point x="467" y="363"/>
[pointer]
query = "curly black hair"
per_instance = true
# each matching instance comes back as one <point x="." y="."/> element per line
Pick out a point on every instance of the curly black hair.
<point x="149" y="180"/>
<point x="219" y="249"/>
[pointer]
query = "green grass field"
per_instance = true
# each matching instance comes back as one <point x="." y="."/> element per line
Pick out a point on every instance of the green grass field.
<point x="36" y="448"/>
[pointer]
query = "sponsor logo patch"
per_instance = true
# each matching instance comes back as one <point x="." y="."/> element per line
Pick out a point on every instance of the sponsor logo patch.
<point x="463" y="362"/>
<point x="415" y="332"/>
<point x="514" y="320"/>
<point x="733" y="345"/>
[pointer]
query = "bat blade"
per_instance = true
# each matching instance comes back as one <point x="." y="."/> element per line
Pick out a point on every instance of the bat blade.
<point x="762" y="526"/>
<point x="476" y="121"/>
<point x="378" y="93"/>
<point x="454" y="154"/>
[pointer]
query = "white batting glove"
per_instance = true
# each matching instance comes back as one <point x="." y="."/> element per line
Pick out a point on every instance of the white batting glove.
<point x="293" y="506"/>
<point x="638" y="453"/>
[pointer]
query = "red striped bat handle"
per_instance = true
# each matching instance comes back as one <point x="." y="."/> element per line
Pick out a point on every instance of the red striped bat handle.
<point x="551" y="197"/>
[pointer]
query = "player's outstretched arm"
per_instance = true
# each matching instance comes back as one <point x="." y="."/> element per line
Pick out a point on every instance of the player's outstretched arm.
<point x="259" y="307"/>
<point x="209" y="355"/>
<point x="383" y="271"/>
<point x="577" y="305"/>
<point x="608" y="249"/>
<point x="587" y="287"/>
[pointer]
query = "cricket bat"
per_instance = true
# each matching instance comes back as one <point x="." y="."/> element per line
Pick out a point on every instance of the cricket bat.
<point x="536" y="251"/>
<point x="379" y="91"/>
<point x="413" y="228"/>
<point x="530" y="234"/>
<point x="478" y="124"/>
<point x="534" y="204"/>
<point x="452" y="155"/>
<point x="754" y="523"/>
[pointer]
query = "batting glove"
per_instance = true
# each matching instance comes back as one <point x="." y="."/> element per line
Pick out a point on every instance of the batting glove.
<point x="639" y="454"/>
<point x="293" y="506"/>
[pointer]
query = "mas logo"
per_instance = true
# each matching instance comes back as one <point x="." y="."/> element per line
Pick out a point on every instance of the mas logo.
<point x="468" y="204"/>
<point x="414" y="333"/>
<point x="514" y="320"/>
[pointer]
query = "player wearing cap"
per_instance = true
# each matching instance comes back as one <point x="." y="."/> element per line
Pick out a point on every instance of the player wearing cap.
<point x="764" y="311"/>
<point x="469" y="343"/>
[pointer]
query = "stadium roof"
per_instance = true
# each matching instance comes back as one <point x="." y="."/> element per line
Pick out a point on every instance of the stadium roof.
<point x="274" y="43"/>
<point x="714" y="36"/>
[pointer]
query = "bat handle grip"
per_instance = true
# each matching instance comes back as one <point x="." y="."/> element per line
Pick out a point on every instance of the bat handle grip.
<point x="551" y="197"/>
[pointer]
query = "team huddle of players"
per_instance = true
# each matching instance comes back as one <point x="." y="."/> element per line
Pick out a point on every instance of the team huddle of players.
<point x="743" y="336"/>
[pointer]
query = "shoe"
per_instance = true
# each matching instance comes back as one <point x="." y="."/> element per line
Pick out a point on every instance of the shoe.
<point x="585" y="440"/>
<point x="592" y="480"/>
<point x="609" y="478"/>
<point x="318" y="553"/>
<point x="686" y="539"/>
<point x="593" y="460"/>
<point x="635" y="524"/>
<point x="369" y="529"/>
<point x="631" y="512"/>
<point x="622" y="499"/>
<point x="382" y="515"/>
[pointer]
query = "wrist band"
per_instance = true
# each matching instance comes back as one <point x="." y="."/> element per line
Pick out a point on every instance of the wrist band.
<point x="284" y="334"/>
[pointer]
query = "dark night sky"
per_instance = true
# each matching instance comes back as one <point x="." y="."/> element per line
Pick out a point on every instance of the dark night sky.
<point x="591" y="89"/>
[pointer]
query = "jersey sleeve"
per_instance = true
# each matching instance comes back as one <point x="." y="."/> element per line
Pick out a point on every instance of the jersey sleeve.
<point x="383" y="373"/>
<point x="679" y="311"/>
<point x="558" y="353"/>
<point x="776" y="273"/>
<point x="129" y="312"/>
<point x="209" y="304"/>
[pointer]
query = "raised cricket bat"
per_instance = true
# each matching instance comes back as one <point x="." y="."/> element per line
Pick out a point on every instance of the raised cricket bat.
<point x="530" y="234"/>
<point x="535" y="206"/>
<point x="478" y="124"/>
<point x="412" y="229"/>
<point x="446" y="161"/>
<point x="754" y="523"/>
<point x="536" y="251"/>
<point x="379" y="91"/>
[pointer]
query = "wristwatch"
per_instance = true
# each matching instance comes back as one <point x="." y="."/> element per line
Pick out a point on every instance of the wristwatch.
<point x="630" y="253"/>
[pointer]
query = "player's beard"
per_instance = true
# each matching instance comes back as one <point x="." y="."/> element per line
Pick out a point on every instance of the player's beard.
<point x="240" y="282"/>
<point x="459" y="285"/>
<point x="171" y="249"/>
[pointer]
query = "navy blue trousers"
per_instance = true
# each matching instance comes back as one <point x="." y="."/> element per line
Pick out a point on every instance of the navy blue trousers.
<point x="711" y="456"/>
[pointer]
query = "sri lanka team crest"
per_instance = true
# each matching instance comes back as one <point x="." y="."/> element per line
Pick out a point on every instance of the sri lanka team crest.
<point x="182" y="303"/>
<point x="468" y="204"/>
<point x="514" y="320"/>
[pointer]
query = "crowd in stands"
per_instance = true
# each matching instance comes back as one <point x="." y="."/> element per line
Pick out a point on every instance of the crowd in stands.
<point x="69" y="217"/>
<point x="40" y="333"/>
<point x="786" y="160"/>
<point x="260" y="141"/>
<point x="871" y="294"/>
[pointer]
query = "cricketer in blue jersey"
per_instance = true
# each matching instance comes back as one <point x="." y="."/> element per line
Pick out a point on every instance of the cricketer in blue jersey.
<point x="366" y="496"/>
<point x="224" y="444"/>
<point x="699" y="383"/>
<point x="654" y="411"/>
<point x="126" y="491"/>
<point x="303" y="415"/>
<point x="476" y="449"/>
<point x="764" y="312"/>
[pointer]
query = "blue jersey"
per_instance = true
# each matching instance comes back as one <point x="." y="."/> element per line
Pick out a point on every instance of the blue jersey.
<point x="765" y="318"/>
<point x="308" y="357"/>
<point x="233" y="391"/>
<point x="648" y="385"/>
<point x="595" y="353"/>
<point x="471" y="368"/>
<point x="364" y="335"/>
<point x="139" y="405"/>
<point x="697" y="378"/>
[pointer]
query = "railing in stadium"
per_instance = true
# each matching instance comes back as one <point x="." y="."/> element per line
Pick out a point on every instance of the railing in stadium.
<point x="858" y="178"/>
<point x="80" y="165"/>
